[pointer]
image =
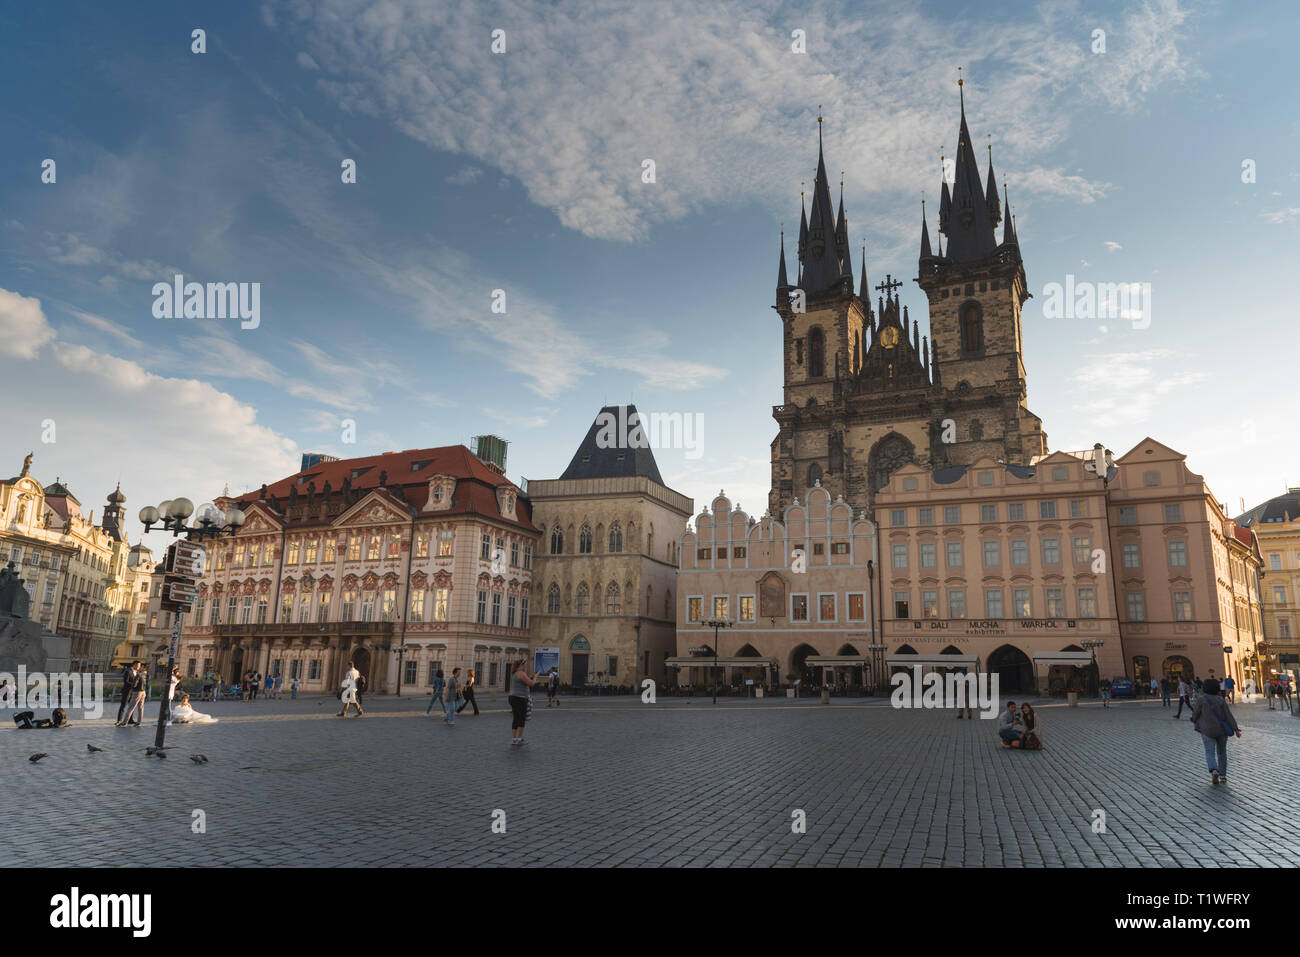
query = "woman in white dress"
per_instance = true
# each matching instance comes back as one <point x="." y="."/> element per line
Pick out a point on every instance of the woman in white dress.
<point x="184" y="714"/>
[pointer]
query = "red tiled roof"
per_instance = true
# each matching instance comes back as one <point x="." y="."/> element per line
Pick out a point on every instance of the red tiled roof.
<point x="1244" y="534"/>
<point x="411" y="470"/>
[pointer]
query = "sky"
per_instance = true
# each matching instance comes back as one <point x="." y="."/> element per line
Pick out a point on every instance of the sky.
<point x="1160" y="151"/>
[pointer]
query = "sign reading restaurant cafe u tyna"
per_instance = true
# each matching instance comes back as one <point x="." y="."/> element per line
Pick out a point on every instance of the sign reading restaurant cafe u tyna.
<point x="995" y="627"/>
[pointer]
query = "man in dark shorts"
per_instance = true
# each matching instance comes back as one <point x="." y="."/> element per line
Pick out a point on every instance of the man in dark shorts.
<point x="553" y="688"/>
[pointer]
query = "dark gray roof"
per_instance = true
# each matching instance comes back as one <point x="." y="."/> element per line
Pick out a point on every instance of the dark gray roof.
<point x="948" y="474"/>
<point x="615" y="426"/>
<point x="1283" y="508"/>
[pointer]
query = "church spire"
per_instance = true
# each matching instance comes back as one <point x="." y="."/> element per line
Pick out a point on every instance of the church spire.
<point x="842" y="237"/>
<point x="822" y="269"/>
<point x="864" y="292"/>
<point x="782" y="282"/>
<point x="926" y="251"/>
<point x="969" y="223"/>
<point x="1009" y="228"/>
<point x="991" y="192"/>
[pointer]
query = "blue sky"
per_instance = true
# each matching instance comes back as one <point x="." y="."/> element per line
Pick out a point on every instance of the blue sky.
<point x="522" y="171"/>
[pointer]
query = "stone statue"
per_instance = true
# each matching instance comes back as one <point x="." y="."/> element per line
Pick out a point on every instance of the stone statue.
<point x="27" y="465"/>
<point x="326" y="490"/>
<point x="383" y="478"/>
<point x="347" y="487"/>
<point x="13" y="596"/>
<point x="311" y="492"/>
<point x="263" y="496"/>
<point x="293" y="495"/>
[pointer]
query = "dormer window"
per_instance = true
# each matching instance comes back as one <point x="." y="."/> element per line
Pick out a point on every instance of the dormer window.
<point x="437" y="493"/>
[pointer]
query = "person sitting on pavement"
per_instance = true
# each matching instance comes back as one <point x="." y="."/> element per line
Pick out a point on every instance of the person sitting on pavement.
<point x="1032" y="738"/>
<point x="1007" y="722"/>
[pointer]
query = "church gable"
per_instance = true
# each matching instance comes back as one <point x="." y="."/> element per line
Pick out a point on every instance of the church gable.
<point x="374" y="509"/>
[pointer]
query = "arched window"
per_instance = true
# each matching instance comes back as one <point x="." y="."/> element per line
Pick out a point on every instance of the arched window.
<point x="972" y="329"/>
<point x="668" y="604"/>
<point x="613" y="599"/>
<point x="584" y="540"/>
<point x="584" y="598"/>
<point x="557" y="541"/>
<point x="816" y="353"/>
<point x="553" y="600"/>
<point x="814" y="474"/>
<point x="976" y="429"/>
<point x="650" y="541"/>
<point x="615" y="538"/>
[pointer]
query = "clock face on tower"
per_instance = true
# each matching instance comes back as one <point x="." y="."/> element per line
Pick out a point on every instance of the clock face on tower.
<point x="889" y="337"/>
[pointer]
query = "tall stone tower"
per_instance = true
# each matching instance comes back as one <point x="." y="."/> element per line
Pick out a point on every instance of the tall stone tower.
<point x="976" y="289"/>
<point x="864" y="391"/>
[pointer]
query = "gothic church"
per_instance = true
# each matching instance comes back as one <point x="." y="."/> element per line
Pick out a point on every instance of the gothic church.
<point x="865" y="392"/>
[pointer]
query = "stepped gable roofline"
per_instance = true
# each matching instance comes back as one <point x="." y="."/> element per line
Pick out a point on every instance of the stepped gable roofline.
<point x="411" y="470"/>
<point x="592" y="461"/>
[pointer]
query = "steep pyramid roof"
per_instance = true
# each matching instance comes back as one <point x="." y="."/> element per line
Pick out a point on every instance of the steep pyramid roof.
<point x="614" y="447"/>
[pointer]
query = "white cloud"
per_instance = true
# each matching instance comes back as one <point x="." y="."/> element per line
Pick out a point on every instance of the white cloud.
<point x="1112" y="246"/>
<point x="306" y="62"/>
<point x="23" y="327"/>
<point x="113" y="419"/>
<point x="1277" y="217"/>
<point x="106" y="326"/>
<point x="711" y="93"/>
<point x="1131" y="387"/>
<point x="465" y="175"/>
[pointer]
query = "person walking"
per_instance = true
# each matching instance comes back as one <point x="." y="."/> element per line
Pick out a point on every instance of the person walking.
<point x="1164" y="692"/>
<point x="135" y="704"/>
<point x="293" y="690"/>
<point x="469" y="694"/>
<point x="1213" y="719"/>
<point x="1184" y="697"/>
<point x="349" y="689"/>
<point x="520" y="698"/>
<point x="128" y="679"/>
<point x="439" y="685"/>
<point x="1229" y="687"/>
<point x="1155" y="687"/>
<point x="1105" y="688"/>
<point x="553" y="688"/>
<point x="453" y="692"/>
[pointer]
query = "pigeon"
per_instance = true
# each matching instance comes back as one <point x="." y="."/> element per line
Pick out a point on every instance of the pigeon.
<point x="160" y="753"/>
<point x="37" y="756"/>
<point x="92" y="749"/>
<point x="199" y="758"/>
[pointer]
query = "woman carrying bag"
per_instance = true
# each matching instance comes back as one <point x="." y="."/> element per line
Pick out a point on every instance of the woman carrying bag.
<point x="520" y="699"/>
<point x="1213" y="719"/>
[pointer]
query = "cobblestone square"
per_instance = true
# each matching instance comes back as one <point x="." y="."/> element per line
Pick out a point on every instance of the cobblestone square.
<point x="681" y="783"/>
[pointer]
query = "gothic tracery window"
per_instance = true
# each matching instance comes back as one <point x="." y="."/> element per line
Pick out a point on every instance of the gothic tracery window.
<point x="615" y="538"/>
<point x="972" y="329"/>
<point x="816" y="353"/>
<point x="557" y="541"/>
<point x="584" y="540"/>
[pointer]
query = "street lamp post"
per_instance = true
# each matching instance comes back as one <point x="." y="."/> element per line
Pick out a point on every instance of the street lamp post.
<point x="876" y="666"/>
<point x="211" y="522"/>
<point x="715" y="624"/>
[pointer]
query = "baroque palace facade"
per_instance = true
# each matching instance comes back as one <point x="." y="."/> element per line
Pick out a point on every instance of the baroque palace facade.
<point x="80" y="577"/>
<point x="404" y="563"/>
<point x="974" y="547"/>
